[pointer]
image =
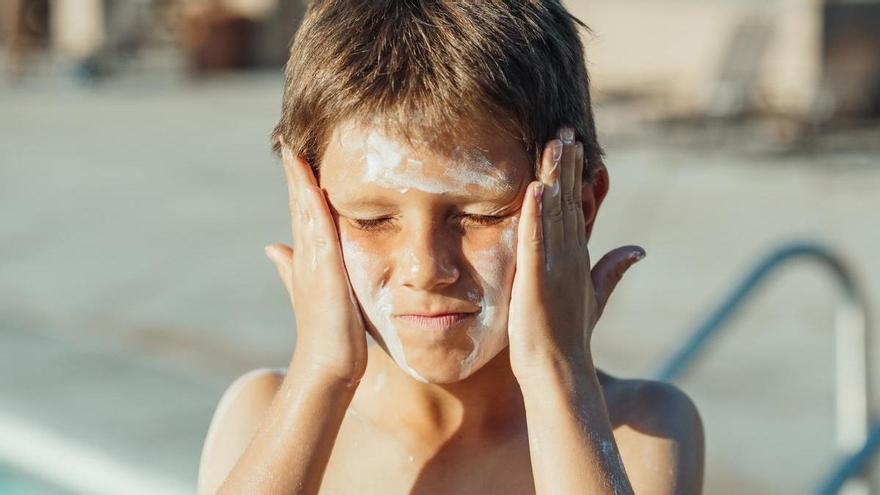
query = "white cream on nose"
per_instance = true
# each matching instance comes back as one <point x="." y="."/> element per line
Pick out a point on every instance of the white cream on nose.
<point x="386" y="162"/>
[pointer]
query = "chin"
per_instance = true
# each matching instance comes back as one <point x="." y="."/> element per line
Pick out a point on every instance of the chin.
<point x="445" y="366"/>
<point x="443" y="358"/>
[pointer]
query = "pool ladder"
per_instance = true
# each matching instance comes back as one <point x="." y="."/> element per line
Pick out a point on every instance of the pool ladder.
<point x="856" y="443"/>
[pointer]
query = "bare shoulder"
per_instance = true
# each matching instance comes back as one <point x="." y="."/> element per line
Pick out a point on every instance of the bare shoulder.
<point x="660" y="435"/>
<point x="236" y="418"/>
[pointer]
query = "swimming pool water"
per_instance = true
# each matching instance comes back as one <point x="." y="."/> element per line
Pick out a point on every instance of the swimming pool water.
<point x="14" y="482"/>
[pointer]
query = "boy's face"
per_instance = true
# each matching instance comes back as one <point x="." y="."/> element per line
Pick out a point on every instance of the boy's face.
<point x="429" y="242"/>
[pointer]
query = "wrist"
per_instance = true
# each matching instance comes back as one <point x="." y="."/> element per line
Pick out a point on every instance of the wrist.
<point x="567" y="371"/>
<point x="311" y="375"/>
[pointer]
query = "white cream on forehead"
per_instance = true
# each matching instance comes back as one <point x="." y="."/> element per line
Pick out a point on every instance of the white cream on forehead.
<point x="386" y="164"/>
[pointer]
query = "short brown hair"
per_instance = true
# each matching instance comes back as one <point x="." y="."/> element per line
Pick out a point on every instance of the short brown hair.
<point x="425" y="66"/>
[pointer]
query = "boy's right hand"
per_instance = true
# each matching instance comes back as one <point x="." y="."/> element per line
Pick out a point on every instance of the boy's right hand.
<point x="331" y="340"/>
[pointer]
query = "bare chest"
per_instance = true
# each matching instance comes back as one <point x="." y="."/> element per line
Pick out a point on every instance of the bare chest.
<point x="366" y="463"/>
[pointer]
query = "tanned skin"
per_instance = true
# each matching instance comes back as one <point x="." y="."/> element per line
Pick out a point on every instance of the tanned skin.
<point x="537" y="418"/>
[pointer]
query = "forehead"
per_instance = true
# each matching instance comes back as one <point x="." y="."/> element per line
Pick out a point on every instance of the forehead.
<point x="484" y="161"/>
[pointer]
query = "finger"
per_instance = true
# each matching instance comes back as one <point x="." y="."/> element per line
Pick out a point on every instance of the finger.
<point x="610" y="269"/>
<point x="301" y="170"/>
<point x="281" y="256"/>
<point x="530" y="232"/>
<point x="551" y="205"/>
<point x="566" y="134"/>
<point x="581" y="232"/>
<point x="323" y="238"/>
<point x="296" y="209"/>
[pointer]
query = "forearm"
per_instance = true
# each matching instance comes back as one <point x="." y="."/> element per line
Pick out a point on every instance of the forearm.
<point x="289" y="452"/>
<point x="571" y="443"/>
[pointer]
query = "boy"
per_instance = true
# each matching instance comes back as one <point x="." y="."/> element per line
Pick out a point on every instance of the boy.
<point x="444" y="178"/>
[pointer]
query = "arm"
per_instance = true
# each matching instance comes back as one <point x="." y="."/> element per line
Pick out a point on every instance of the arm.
<point x="658" y="430"/>
<point x="571" y="443"/>
<point x="291" y="448"/>
<point x="553" y="309"/>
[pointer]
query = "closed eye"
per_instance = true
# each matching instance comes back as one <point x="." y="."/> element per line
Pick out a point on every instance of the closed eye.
<point x="483" y="219"/>
<point x="373" y="224"/>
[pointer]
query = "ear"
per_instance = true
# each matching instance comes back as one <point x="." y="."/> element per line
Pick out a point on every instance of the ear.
<point x="592" y="194"/>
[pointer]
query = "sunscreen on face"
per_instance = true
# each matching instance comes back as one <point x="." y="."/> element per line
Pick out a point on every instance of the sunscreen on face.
<point x="388" y="163"/>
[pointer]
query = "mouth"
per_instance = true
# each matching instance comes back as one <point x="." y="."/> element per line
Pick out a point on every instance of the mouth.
<point x="440" y="321"/>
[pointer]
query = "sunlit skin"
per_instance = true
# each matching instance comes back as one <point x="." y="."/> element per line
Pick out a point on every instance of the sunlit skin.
<point x="438" y="238"/>
<point x="380" y="247"/>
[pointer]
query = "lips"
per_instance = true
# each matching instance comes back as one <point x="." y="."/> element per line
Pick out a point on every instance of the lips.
<point x="438" y="321"/>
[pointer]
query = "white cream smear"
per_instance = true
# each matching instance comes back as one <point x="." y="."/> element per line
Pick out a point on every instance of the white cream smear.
<point x="489" y="333"/>
<point x="386" y="164"/>
<point x="375" y="301"/>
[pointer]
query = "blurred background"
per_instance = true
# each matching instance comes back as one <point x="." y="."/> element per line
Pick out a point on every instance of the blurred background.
<point x="137" y="191"/>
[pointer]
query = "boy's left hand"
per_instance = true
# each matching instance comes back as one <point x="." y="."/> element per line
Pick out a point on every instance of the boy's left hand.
<point x="556" y="299"/>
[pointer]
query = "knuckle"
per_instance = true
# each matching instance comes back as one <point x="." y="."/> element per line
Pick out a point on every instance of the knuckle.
<point x="320" y="243"/>
<point x="535" y="241"/>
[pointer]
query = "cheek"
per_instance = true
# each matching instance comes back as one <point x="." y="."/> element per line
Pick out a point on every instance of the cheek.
<point x="364" y="266"/>
<point x="495" y="265"/>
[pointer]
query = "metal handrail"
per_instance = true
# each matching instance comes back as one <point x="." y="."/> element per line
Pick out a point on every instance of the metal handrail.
<point x="851" y="336"/>
<point x="852" y="465"/>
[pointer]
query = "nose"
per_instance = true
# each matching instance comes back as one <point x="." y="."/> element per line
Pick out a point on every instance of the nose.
<point x="427" y="259"/>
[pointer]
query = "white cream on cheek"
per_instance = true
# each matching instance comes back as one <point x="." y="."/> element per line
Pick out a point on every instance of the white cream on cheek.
<point x="494" y="267"/>
<point x="488" y="333"/>
<point x="386" y="163"/>
<point x="375" y="299"/>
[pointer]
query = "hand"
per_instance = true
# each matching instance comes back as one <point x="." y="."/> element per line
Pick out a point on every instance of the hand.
<point x="331" y="339"/>
<point x="556" y="300"/>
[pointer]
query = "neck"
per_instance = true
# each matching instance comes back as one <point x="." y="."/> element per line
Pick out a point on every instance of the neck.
<point x="487" y="403"/>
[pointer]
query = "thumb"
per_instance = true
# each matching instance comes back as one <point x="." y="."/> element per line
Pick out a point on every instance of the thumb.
<point x="281" y="255"/>
<point x="610" y="269"/>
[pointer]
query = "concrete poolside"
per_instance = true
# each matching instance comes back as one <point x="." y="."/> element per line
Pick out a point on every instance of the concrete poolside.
<point x="133" y="286"/>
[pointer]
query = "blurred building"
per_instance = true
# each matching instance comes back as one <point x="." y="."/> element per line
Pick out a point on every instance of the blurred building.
<point x="101" y="35"/>
<point x="809" y="59"/>
<point x="806" y="58"/>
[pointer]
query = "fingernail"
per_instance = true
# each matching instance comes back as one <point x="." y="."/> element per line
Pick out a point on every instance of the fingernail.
<point x="539" y="193"/>
<point x="268" y="250"/>
<point x="556" y="146"/>
<point x="636" y="256"/>
<point x="286" y="154"/>
<point x="566" y="134"/>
